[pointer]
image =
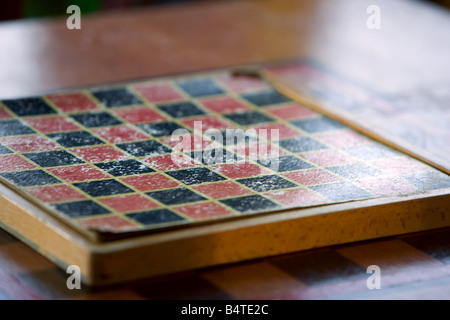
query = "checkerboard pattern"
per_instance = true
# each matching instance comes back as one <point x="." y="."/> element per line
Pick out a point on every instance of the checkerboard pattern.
<point x="418" y="118"/>
<point x="103" y="157"/>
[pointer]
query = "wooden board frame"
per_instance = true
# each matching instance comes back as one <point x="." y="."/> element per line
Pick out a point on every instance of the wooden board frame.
<point x="254" y="237"/>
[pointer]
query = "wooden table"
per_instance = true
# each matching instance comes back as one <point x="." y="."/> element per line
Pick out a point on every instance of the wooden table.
<point x="407" y="58"/>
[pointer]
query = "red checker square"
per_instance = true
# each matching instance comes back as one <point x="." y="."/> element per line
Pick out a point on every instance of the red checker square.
<point x="151" y="182"/>
<point x="297" y="197"/>
<point x="29" y="143"/>
<point x="240" y="170"/>
<point x="259" y="150"/>
<point x="58" y="193"/>
<point x="167" y="163"/>
<point x="52" y="124"/>
<point x="4" y="114"/>
<point x="242" y="83"/>
<point x="386" y="186"/>
<point x="14" y="163"/>
<point x="224" y="105"/>
<point x="72" y="102"/>
<point x="400" y="165"/>
<point x="129" y="203"/>
<point x="139" y="115"/>
<point x="343" y="138"/>
<point x="210" y="122"/>
<point x="196" y="142"/>
<point x="99" y="154"/>
<point x="158" y="92"/>
<point x="328" y="158"/>
<point x="312" y="177"/>
<point x="110" y="223"/>
<point x="78" y="173"/>
<point x="120" y="134"/>
<point x="222" y="190"/>
<point x="204" y="210"/>
<point x="291" y="112"/>
<point x="283" y="131"/>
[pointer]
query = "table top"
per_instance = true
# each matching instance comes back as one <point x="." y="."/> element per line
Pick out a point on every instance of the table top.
<point x="414" y="266"/>
<point x="405" y="58"/>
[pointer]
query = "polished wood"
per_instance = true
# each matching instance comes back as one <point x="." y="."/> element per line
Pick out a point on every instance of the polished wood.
<point x="409" y="52"/>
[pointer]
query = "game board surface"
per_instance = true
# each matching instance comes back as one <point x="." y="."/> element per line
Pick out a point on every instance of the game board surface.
<point x="101" y="158"/>
<point x="418" y="122"/>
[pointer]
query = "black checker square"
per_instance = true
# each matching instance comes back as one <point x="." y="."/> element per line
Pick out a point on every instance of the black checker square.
<point x="29" y="107"/>
<point x="181" y="109"/>
<point x="283" y="164"/>
<point x="302" y="144"/>
<point x="124" y="168"/>
<point x="250" y="203"/>
<point x="53" y="158"/>
<point x="267" y="183"/>
<point x="199" y="87"/>
<point x="160" y="129"/>
<point x="155" y="217"/>
<point x="195" y="176"/>
<point x="81" y="209"/>
<point x="315" y="125"/>
<point x="4" y="150"/>
<point x="248" y="118"/>
<point x="429" y="180"/>
<point x="144" y="148"/>
<point x="96" y="119"/>
<point x="341" y="191"/>
<point x="14" y="128"/>
<point x="120" y="97"/>
<point x="176" y="196"/>
<point x="30" y="178"/>
<point x="372" y="151"/>
<point x="75" y="139"/>
<point x="266" y="98"/>
<point x="211" y="156"/>
<point x="103" y="188"/>
<point x="355" y="171"/>
<point x="232" y="137"/>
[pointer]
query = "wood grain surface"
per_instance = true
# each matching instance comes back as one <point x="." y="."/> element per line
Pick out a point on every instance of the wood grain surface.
<point x="409" y="54"/>
<point x="414" y="266"/>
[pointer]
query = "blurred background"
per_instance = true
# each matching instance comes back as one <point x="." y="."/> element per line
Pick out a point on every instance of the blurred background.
<point x="20" y="9"/>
